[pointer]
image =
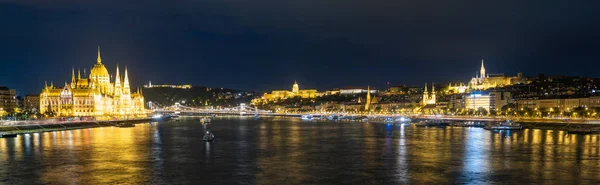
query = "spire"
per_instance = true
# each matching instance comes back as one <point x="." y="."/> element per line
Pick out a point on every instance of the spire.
<point x="117" y="90"/>
<point x="51" y="84"/>
<point x="99" y="60"/>
<point x="126" y="88"/>
<point x="78" y="73"/>
<point x="482" y="62"/>
<point x="117" y="77"/>
<point x="482" y="71"/>
<point x="45" y="84"/>
<point x="84" y="72"/>
<point x="433" y="88"/>
<point x="425" y="91"/>
<point x="368" y="101"/>
<point x="72" y="75"/>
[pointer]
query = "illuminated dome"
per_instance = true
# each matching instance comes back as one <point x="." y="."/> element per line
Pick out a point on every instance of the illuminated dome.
<point x="99" y="70"/>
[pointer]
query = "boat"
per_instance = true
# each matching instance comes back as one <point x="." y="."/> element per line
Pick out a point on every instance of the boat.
<point x="306" y="117"/>
<point x="388" y="120"/>
<point x="402" y="120"/>
<point x="506" y="125"/>
<point x="208" y="137"/>
<point x="468" y="124"/>
<point x="125" y="125"/>
<point x="362" y="119"/>
<point x="7" y="135"/>
<point x="174" y="117"/>
<point x="331" y="117"/>
<point x="432" y="123"/>
<point x="205" y="120"/>
<point x="160" y="117"/>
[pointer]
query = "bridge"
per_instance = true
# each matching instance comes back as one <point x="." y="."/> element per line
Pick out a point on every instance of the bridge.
<point x="242" y="109"/>
<point x="238" y="110"/>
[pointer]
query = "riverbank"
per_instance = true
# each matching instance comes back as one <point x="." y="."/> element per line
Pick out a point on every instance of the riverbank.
<point x="35" y="127"/>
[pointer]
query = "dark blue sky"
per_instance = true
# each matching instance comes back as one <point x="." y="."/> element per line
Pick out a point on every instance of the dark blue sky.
<point x="267" y="44"/>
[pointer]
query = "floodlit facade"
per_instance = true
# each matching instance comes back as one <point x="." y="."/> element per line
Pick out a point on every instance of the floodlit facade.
<point x="429" y="98"/>
<point x="560" y="104"/>
<point x="476" y="101"/>
<point x="8" y="101"/>
<point x="487" y="81"/>
<point x="283" y="94"/>
<point x="93" y="96"/>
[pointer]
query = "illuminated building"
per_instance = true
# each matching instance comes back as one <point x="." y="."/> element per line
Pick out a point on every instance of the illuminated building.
<point x="499" y="99"/>
<point x="32" y="102"/>
<point x="167" y="86"/>
<point x="477" y="100"/>
<point x="329" y="93"/>
<point x="486" y="81"/>
<point x="8" y="101"/>
<point x="352" y="90"/>
<point x="283" y="94"/>
<point x="93" y="96"/>
<point x="429" y="98"/>
<point x="459" y="88"/>
<point x="559" y="104"/>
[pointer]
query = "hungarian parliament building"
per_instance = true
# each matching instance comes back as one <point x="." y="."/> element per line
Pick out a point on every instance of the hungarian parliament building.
<point x="94" y="96"/>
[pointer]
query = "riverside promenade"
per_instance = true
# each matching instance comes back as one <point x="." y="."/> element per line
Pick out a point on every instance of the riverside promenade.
<point x="33" y="126"/>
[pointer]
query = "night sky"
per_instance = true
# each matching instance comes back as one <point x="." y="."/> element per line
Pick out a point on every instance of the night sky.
<point x="267" y="44"/>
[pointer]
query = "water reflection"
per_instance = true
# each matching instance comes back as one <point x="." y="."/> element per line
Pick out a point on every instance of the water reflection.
<point x="283" y="151"/>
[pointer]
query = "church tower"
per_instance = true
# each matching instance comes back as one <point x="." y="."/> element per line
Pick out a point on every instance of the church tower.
<point x="368" y="101"/>
<point x="429" y="98"/>
<point x="482" y="71"/>
<point x="432" y="99"/>
<point x="425" y="95"/>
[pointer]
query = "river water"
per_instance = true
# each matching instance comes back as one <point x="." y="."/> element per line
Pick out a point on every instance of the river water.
<point x="291" y="151"/>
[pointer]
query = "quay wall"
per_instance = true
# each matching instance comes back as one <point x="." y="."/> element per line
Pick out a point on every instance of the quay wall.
<point x="25" y="127"/>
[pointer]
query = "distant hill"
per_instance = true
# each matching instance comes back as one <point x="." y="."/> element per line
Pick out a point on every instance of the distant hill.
<point x="197" y="96"/>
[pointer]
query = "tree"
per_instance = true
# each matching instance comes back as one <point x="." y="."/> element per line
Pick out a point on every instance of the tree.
<point x="481" y="111"/>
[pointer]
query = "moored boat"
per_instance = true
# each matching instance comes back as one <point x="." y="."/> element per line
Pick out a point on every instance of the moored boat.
<point x="7" y="135"/>
<point x="432" y="123"/>
<point x="468" y="124"/>
<point x="402" y="120"/>
<point x="506" y="125"/>
<point x="205" y="120"/>
<point x="306" y="117"/>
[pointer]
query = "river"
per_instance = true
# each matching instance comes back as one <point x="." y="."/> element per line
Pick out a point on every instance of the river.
<point x="292" y="151"/>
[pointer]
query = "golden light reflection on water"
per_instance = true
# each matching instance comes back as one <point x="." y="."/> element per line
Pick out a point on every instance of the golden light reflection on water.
<point x="95" y="156"/>
<point x="284" y="151"/>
